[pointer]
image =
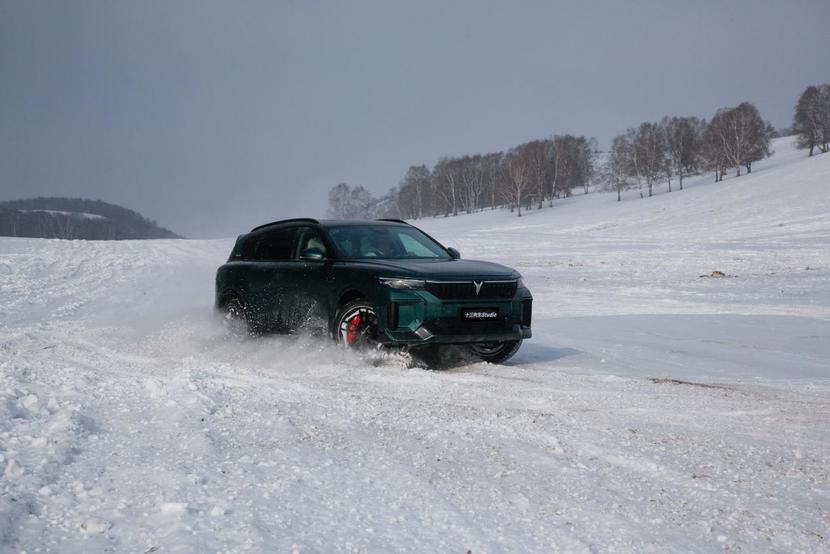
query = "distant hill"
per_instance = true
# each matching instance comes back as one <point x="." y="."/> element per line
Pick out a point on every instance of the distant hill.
<point x="76" y="218"/>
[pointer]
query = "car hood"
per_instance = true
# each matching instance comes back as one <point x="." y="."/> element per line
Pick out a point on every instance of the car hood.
<point x="445" y="270"/>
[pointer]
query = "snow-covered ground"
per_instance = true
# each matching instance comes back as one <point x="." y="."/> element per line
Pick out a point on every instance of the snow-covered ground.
<point x="653" y="410"/>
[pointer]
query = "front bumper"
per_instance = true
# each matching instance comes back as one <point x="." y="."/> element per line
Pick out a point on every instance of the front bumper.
<point x="417" y="317"/>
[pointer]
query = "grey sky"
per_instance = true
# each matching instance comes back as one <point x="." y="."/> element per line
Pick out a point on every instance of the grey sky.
<point x="214" y="116"/>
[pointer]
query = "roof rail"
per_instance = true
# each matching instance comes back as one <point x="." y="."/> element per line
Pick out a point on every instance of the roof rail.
<point x="392" y="220"/>
<point x="294" y="220"/>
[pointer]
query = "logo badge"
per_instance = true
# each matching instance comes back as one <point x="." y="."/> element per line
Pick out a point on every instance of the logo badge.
<point x="478" y="285"/>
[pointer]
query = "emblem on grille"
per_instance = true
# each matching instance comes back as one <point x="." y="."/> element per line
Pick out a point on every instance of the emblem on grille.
<point x="478" y="285"/>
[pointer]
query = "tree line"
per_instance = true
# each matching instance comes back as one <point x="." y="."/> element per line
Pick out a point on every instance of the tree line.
<point x="678" y="147"/>
<point x="812" y="118"/>
<point x="529" y="175"/>
<point x="534" y="174"/>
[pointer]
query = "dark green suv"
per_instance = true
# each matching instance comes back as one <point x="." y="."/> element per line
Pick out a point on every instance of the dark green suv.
<point x="371" y="283"/>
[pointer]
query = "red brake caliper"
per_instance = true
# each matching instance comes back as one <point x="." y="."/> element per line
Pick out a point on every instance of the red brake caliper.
<point x="351" y="330"/>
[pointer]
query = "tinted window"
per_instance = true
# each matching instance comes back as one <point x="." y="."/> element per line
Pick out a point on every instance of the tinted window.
<point x="236" y="253"/>
<point x="247" y="251"/>
<point x="275" y="244"/>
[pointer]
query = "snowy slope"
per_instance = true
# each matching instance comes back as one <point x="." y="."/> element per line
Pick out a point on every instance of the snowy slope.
<point x="654" y="409"/>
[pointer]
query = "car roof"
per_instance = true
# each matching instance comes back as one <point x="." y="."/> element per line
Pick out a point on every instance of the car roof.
<point x="333" y="223"/>
<point x="361" y="222"/>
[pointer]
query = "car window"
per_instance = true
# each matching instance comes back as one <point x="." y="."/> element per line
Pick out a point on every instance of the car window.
<point x="414" y="248"/>
<point x="309" y="238"/>
<point x="248" y="248"/>
<point x="384" y="242"/>
<point x="275" y="245"/>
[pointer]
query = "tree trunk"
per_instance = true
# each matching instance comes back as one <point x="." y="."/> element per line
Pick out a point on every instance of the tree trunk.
<point x="618" y="194"/>
<point x="681" y="181"/>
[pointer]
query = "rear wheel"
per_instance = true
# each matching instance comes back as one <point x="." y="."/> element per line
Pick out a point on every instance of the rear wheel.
<point x="234" y="319"/>
<point x="496" y="352"/>
<point x="356" y="326"/>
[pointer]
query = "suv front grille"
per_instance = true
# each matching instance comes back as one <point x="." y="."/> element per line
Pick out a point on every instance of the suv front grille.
<point x="466" y="290"/>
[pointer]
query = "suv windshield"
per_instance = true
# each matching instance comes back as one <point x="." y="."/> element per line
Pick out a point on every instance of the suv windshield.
<point x="384" y="242"/>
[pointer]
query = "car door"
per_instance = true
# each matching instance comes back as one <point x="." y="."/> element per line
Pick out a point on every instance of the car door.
<point x="311" y="281"/>
<point x="270" y="288"/>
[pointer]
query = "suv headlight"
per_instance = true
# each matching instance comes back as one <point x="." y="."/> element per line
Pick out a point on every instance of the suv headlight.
<point x="520" y="283"/>
<point x="396" y="283"/>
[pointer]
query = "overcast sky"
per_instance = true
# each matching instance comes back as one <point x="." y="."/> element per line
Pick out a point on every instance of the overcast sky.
<point x="211" y="117"/>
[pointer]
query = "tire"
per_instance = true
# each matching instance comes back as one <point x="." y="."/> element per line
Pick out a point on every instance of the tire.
<point x="234" y="319"/>
<point x="355" y="326"/>
<point x="496" y="352"/>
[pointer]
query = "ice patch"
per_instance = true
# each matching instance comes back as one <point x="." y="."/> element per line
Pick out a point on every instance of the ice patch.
<point x="173" y="509"/>
<point x="13" y="469"/>
<point x="95" y="526"/>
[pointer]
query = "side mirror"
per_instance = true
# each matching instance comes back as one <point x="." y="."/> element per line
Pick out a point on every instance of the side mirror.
<point x="312" y="255"/>
<point x="454" y="254"/>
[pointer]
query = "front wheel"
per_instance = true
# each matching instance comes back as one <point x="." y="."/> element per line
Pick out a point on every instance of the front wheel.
<point x="356" y="326"/>
<point x="496" y="352"/>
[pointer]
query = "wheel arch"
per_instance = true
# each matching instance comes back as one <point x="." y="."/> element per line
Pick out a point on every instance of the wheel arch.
<point x="349" y="295"/>
<point x="226" y="295"/>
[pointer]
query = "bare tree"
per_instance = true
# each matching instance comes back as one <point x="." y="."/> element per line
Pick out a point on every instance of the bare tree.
<point x="617" y="166"/>
<point x="684" y="136"/>
<point x="714" y="156"/>
<point x="586" y="161"/>
<point x="812" y="118"/>
<point x="738" y="137"/>
<point x="338" y="200"/>
<point x="518" y="177"/>
<point x="473" y="181"/>
<point x="347" y="202"/>
<point x="650" y="153"/>
<point x="494" y="172"/>
<point x="561" y="167"/>
<point x="414" y="188"/>
<point x="539" y="156"/>
<point x="445" y="183"/>
<point x="758" y="135"/>
<point x="387" y="206"/>
<point x="807" y="119"/>
<point x="407" y="202"/>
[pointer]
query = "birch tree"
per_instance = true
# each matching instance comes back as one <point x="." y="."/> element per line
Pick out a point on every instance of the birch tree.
<point x="518" y="178"/>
